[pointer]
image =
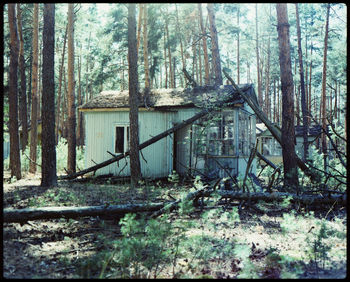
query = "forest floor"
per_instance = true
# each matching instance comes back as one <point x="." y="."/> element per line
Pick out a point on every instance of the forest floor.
<point x="67" y="248"/>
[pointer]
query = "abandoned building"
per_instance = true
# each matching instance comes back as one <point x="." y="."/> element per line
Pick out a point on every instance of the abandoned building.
<point x="269" y="147"/>
<point x="215" y="145"/>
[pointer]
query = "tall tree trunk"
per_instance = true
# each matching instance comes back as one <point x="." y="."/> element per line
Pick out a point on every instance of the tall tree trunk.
<point x="302" y="88"/>
<point x="48" y="142"/>
<point x="238" y="45"/>
<point x="214" y="45"/>
<point x="267" y="75"/>
<point x="59" y="91"/>
<point x="15" y="161"/>
<point x="145" y="46"/>
<point x="260" y="98"/>
<point x="34" y="113"/>
<point x="139" y="26"/>
<point x="23" y="94"/>
<point x="324" y="80"/>
<point x="205" y="48"/>
<point x="181" y="45"/>
<point x="288" y="131"/>
<point x="310" y="80"/>
<point x="71" y="138"/>
<point x="165" y="62"/>
<point x="80" y="102"/>
<point x="135" y="167"/>
<point x="171" y="76"/>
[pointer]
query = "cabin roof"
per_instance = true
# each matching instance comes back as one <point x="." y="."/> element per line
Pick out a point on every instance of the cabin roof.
<point x="175" y="97"/>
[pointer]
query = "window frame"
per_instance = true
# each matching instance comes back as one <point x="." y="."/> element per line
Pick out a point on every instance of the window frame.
<point x="126" y="137"/>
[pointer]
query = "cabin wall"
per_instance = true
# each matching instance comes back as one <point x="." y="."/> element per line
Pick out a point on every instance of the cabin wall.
<point x="100" y="138"/>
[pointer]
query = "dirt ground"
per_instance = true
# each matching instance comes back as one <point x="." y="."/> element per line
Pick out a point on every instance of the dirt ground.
<point x="52" y="248"/>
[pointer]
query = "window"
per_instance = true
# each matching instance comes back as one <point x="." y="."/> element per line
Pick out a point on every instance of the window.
<point x="270" y="147"/>
<point x="243" y="133"/>
<point x="216" y="137"/>
<point x="122" y="138"/>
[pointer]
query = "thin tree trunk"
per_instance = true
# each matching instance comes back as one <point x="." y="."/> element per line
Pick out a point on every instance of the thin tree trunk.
<point x="324" y="80"/>
<point x="48" y="168"/>
<point x="302" y="86"/>
<point x="34" y="113"/>
<point x="171" y="77"/>
<point x="15" y="161"/>
<point x="238" y="63"/>
<point x="288" y="131"/>
<point x="165" y="62"/>
<point x="310" y="80"/>
<point x="139" y="26"/>
<point x="214" y="45"/>
<point x="80" y="115"/>
<point x="145" y="46"/>
<point x="181" y="44"/>
<point x="205" y="48"/>
<point x="71" y="138"/>
<point x="135" y="167"/>
<point x="23" y="94"/>
<point x="260" y="98"/>
<point x="59" y="91"/>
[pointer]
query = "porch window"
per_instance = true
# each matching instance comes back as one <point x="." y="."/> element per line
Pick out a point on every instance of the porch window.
<point x="122" y="138"/>
<point x="217" y="137"/>
<point x="270" y="147"/>
<point x="243" y="133"/>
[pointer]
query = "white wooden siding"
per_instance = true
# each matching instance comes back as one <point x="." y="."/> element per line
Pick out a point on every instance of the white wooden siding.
<point x="100" y="137"/>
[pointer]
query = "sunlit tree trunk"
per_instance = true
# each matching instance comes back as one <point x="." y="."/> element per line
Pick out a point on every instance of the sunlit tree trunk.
<point x="288" y="131"/>
<point x="324" y="80"/>
<point x="59" y="91"/>
<point x="71" y="138"/>
<point x="302" y="88"/>
<point x="34" y="112"/>
<point x="205" y="48"/>
<point x="135" y="167"/>
<point x="260" y="98"/>
<point x="145" y="46"/>
<point x="23" y="94"/>
<point x="15" y="161"/>
<point x="214" y="45"/>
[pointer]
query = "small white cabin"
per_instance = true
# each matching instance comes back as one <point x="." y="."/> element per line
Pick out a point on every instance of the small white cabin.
<point x="216" y="145"/>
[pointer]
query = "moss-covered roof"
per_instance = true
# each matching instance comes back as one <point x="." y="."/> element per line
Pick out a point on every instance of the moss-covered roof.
<point x="165" y="98"/>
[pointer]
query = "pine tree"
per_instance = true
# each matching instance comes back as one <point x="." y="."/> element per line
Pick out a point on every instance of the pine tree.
<point x="48" y="168"/>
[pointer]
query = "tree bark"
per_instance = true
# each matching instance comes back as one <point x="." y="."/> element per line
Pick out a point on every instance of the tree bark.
<point x="135" y="167"/>
<point x="145" y="46"/>
<point x="214" y="45"/>
<point x="23" y="94"/>
<point x="71" y="138"/>
<point x="324" y="80"/>
<point x="34" y="112"/>
<point x="15" y="161"/>
<point x="238" y="63"/>
<point x="302" y="86"/>
<point x="24" y="215"/>
<point x="59" y="91"/>
<point x="260" y="99"/>
<point x="288" y="131"/>
<point x="48" y="142"/>
<point x="181" y="44"/>
<point x="205" y="48"/>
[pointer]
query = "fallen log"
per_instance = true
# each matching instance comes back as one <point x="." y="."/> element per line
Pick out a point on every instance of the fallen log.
<point x="275" y="131"/>
<point x="279" y="196"/>
<point x="118" y="211"/>
<point x="24" y="215"/>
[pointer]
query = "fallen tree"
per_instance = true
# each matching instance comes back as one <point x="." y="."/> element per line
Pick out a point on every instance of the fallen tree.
<point x="118" y="211"/>
<point x="24" y="215"/>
